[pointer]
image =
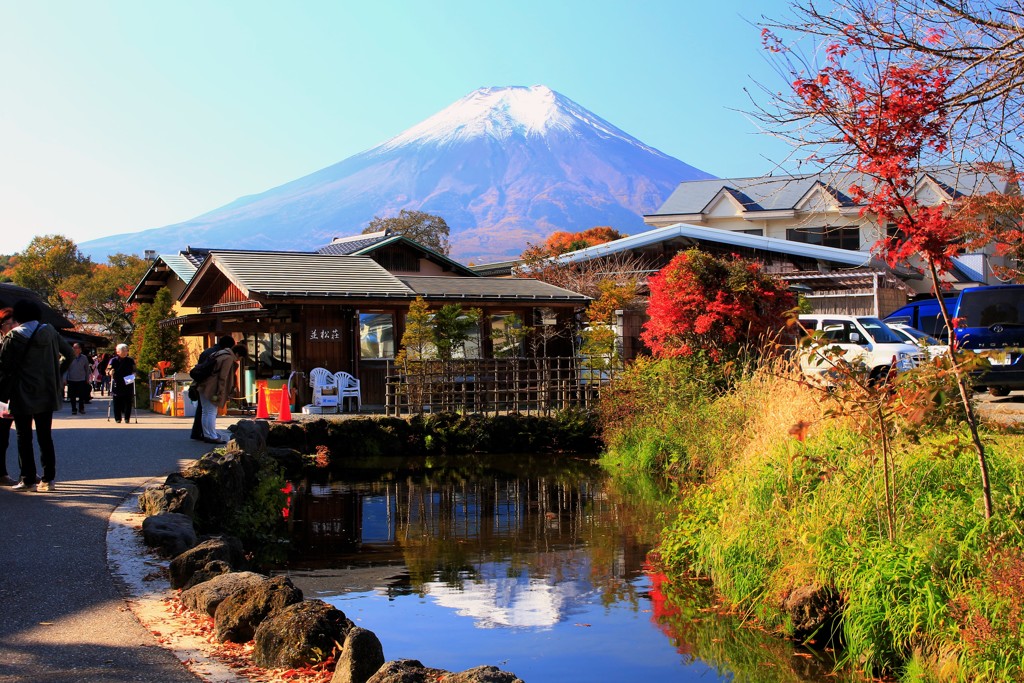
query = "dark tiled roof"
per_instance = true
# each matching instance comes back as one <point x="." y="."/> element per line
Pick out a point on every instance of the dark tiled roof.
<point x="280" y="273"/>
<point x="776" y="193"/>
<point x="495" y="269"/>
<point x="488" y="288"/>
<point x="352" y="246"/>
<point x="195" y="255"/>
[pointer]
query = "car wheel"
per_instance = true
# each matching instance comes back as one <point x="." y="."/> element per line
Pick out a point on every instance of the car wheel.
<point x="998" y="391"/>
<point x="879" y="375"/>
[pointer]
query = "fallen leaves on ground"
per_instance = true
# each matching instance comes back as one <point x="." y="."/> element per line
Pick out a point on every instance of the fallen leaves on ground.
<point x="238" y="656"/>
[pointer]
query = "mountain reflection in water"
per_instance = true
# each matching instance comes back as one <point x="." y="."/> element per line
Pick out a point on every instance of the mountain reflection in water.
<point x="532" y="565"/>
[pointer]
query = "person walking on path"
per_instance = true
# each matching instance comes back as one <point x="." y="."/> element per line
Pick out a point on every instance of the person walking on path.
<point x="78" y="379"/>
<point x="216" y="389"/>
<point x="121" y="369"/>
<point x="30" y="365"/>
<point x="6" y="421"/>
<point x="101" y="370"/>
<point x="225" y="342"/>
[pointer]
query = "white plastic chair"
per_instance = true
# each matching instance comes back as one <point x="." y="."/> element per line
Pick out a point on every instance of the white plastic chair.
<point x="348" y="387"/>
<point x="319" y="379"/>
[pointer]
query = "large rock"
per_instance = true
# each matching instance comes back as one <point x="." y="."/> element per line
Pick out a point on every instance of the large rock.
<point x="814" y="611"/>
<point x="208" y="595"/>
<point x="209" y="571"/>
<point x="162" y="498"/>
<point x="249" y="436"/>
<point x="171" y="532"/>
<point x="299" y="635"/>
<point x="406" y="671"/>
<point x="288" y="459"/>
<point x="241" y="612"/>
<point x="223" y="548"/>
<point x="221" y="479"/>
<point x="483" y="674"/>
<point x="360" y="658"/>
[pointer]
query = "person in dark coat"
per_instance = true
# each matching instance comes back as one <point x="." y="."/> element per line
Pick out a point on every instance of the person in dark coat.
<point x="121" y="369"/>
<point x="6" y="420"/>
<point x="225" y="342"/>
<point x="78" y="380"/>
<point x="30" y="365"/>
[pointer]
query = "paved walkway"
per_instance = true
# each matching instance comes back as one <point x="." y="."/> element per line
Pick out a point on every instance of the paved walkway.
<point x="62" y="617"/>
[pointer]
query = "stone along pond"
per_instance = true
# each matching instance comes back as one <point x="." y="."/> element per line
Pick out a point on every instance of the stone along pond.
<point x="534" y="564"/>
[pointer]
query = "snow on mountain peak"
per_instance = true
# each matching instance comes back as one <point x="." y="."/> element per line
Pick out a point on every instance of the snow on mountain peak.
<point x="502" y="112"/>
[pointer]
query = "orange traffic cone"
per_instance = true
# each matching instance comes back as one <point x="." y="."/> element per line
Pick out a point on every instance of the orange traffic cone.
<point x="286" y="408"/>
<point x="261" y="405"/>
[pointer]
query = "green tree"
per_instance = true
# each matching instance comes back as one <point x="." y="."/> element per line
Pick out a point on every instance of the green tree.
<point x="599" y="337"/>
<point x="508" y="339"/>
<point x="153" y="342"/>
<point x="427" y="229"/>
<point x="100" y="297"/>
<point x="418" y="339"/>
<point x="47" y="262"/>
<point x="453" y="327"/>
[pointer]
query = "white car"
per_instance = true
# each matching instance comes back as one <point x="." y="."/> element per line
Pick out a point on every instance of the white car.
<point x="859" y="340"/>
<point x="932" y="346"/>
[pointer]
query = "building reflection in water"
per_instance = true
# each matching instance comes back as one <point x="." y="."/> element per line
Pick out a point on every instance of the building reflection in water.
<point x="505" y="551"/>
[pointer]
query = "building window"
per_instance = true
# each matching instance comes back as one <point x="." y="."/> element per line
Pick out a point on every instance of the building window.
<point x="751" y="231"/>
<point x="508" y="334"/>
<point x="272" y="352"/>
<point x="376" y="335"/>
<point x="840" y="238"/>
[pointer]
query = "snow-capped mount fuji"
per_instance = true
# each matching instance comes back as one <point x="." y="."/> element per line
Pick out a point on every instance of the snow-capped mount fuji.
<point x="503" y="167"/>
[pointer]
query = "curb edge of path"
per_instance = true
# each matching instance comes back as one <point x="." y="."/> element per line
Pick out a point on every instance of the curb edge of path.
<point x="141" y="575"/>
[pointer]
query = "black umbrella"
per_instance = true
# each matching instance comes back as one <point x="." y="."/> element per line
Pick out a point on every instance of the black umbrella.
<point x="9" y="293"/>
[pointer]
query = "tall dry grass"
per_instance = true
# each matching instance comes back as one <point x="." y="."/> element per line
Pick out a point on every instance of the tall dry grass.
<point x="780" y="485"/>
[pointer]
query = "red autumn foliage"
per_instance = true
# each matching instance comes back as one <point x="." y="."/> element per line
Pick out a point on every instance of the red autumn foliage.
<point x="561" y="242"/>
<point x="889" y="123"/>
<point x="700" y="302"/>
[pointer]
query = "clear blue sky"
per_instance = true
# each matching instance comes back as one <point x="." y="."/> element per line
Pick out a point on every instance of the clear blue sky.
<point x="117" y="116"/>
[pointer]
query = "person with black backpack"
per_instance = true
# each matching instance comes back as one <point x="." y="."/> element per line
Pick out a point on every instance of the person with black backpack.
<point x="216" y="389"/>
<point x="225" y="342"/>
<point x="31" y="368"/>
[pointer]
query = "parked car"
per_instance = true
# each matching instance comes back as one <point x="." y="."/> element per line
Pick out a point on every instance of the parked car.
<point x="865" y="340"/>
<point x="990" y="321"/>
<point x="924" y="315"/>
<point x="932" y="346"/>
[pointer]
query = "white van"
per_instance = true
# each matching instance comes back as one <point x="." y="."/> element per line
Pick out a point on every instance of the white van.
<point x="866" y="341"/>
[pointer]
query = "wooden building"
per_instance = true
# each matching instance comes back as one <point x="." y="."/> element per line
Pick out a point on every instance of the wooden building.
<point x="299" y="310"/>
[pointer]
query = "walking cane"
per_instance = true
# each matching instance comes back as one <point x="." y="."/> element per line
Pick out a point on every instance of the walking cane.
<point x="135" y="408"/>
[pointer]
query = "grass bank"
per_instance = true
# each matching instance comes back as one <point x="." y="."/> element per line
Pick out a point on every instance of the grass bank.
<point x="782" y="486"/>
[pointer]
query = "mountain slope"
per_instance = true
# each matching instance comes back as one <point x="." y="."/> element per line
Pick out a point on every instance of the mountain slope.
<point x="503" y="166"/>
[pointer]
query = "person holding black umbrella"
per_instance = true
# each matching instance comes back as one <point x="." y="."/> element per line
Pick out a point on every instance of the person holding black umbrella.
<point x="6" y="420"/>
<point x="30" y="369"/>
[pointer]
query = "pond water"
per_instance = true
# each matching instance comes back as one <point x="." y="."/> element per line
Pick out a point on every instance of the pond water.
<point x="535" y="565"/>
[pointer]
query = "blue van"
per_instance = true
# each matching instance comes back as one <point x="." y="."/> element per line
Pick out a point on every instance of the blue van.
<point x="988" y="319"/>
<point x="924" y="315"/>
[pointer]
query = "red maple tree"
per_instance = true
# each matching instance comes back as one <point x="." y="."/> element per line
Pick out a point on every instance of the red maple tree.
<point x="701" y="302"/>
<point x="888" y="117"/>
